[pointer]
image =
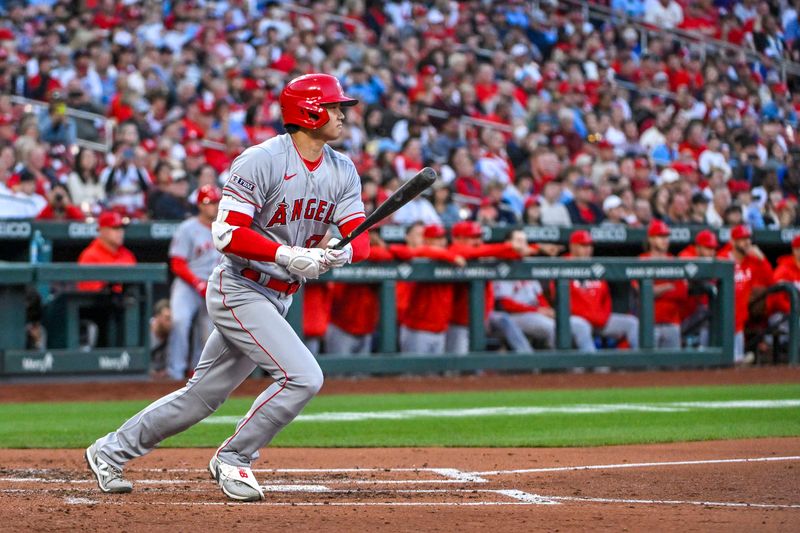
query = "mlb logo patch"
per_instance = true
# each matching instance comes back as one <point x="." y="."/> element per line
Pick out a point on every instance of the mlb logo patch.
<point x="249" y="185"/>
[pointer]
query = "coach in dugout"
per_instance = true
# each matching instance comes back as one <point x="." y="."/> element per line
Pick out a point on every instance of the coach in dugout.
<point x="106" y="249"/>
<point x="789" y="271"/>
<point x="696" y="310"/>
<point x="669" y="295"/>
<point x="590" y="300"/>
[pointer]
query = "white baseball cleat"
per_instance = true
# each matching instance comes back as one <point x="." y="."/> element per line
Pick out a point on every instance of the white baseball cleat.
<point x="109" y="478"/>
<point x="237" y="482"/>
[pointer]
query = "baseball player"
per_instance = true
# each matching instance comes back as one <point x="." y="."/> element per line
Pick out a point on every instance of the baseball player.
<point x="670" y="296"/>
<point x="590" y="300"/>
<point x="424" y="324"/>
<point x="468" y="243"/>
<point x="278" y="202"/>
<point x="696" y="308"/>
<point x="192" y="258"/>
<point x="527" y="307"/>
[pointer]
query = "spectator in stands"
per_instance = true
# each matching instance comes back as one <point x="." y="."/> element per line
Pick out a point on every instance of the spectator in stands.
<point x="590" y="300"/>
<point x="613" y="210"/>
<point x="554" y="212"/>
<point x="54" y="124"/>
<point x="21" y="200"/>
<point x="719" y="204"/>
<point x="168" y="200"/>
<point x="125" y="182"/>
<point x="84" y="182"/>
<point x="106" y="249"/>
<point x="59" y="206"/>
<point x="34" y="161"/>
<point x="699" y="209"/>
<point x="443" y="205"/>
<point x="582" y="209"/>
<point x="669" y="295"/>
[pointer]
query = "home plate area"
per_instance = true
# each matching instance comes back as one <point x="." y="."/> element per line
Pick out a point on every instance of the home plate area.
<point x="736" y="485"/>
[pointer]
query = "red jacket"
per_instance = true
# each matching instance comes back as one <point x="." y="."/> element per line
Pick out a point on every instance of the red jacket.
<point x="98" y="253"/>
<point x="591" y="299"/>
<point x="669" y="305"/>
<point x="428" y="305"/>
<point x="460" y="312"/>
<point x="788" y="270"/>
<point x="356" y="306"/>
<point x="316" y="309"/>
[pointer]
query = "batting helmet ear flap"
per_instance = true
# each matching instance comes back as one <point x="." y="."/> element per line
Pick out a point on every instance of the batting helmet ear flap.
<point x="302" y="100"/>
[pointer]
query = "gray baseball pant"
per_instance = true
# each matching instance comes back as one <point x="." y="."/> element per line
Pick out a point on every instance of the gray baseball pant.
<point x="457" y="340"/>
<point x="620" y="324"/>
<point x="249" y="332"/>
<point x="511" y="332"/>
<point x="421" y="342"/>
<point x="540" y="326"/>
<point x="667" y="335"/>
<point x="188" y="309"/>
<point x="339" y="342"/>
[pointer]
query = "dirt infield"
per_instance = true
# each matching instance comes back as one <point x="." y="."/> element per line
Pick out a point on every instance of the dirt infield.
<point x="746" y="485"/>
<point x="712" y="486"/>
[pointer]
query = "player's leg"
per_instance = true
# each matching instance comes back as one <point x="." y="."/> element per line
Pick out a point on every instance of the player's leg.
<point x="619" y="325"/>
<point x="184" y="303"/>
<point x="220" y="371"/>
<point x="412" y="340"/>
<point x="457" y="340"/>
<point x="512" y="333"/>
<point x="582" y="334"/>
<point x="667" y="336"/>
<point x="538" y="326"/>
<point x="251" y="323"/>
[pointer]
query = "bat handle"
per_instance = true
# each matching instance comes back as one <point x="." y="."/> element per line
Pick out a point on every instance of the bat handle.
<point x="344" y="242"/>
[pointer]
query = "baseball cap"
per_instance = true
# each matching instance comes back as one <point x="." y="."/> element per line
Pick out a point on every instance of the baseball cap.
<point x="658" y="228"/>
<point x="741" y="232"/>
<point x="668" y="175"/>
<point x="193" y="149"/>
<point x="466" y="228"/>
<point x="581" y="237"/>
<point x="706" y="239"/>
<point x="110" y="219"/>
<point x="700" y="198"/>
<point x="208" y="194"/>
<point x="584" y="183"/>
<point x="611" y="202"/>
<point x="796" y="242"/>
<point x="434" y="231"/>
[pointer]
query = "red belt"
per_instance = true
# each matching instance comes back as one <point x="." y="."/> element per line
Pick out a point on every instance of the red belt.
<point x="272" y="283"/>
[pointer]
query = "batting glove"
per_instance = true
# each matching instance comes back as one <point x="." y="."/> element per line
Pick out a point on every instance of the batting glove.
<point x="303" y="262"/>
<point x="337" y="258"/>
<point x="201" y="287"/>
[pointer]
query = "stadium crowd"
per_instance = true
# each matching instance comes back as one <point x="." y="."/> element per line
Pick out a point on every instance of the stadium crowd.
<point x="532" y="112"/>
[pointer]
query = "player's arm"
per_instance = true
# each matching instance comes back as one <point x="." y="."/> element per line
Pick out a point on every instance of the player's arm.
<point x="180" y="267"/>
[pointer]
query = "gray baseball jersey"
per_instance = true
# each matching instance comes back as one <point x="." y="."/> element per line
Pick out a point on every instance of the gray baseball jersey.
<point x="523" y="291"/>
<point x="289" y="203"/>
<point x="193" y="242"/>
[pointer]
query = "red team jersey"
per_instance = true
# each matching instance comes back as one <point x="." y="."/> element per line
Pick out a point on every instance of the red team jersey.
<point x="98" y="253"/>
<point x="669" y="306"/>
<point x="788" y="270"/>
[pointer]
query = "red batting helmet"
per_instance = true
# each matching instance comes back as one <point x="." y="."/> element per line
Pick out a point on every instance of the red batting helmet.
<point x="208" y="194"/>
<point x="302" y="100"/>
<point x="657" y="228"/>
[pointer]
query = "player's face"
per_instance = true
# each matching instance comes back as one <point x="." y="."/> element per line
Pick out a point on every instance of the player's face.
<point x="112" y="236"/>
<point x="581" y="250"/>
<point x="796" y="254"/>
<point x="742" y="245"/>
<point x="659" y="244"/>
<point x="703" y="251"/>
<point x="332" y="129"/>
<point x="209" y="211"/>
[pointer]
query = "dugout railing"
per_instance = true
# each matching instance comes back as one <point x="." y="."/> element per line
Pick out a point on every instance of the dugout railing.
<point x="558" y="271"/>
<point x="127" y="309"/>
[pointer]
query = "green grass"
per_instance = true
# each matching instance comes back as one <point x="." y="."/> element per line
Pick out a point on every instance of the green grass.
<point x="72" y="425"/>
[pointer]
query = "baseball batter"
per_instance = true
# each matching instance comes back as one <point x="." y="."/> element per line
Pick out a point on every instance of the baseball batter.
<point x="192" y="258"/>
<point x="278" y="202"/>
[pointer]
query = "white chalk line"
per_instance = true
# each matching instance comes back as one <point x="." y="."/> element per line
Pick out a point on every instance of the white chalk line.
<point x="408" y="414"/>
<point x="636" y="465"/>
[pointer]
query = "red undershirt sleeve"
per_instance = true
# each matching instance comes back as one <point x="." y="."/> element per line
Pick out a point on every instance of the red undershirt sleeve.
<point x="361" y="243"/>
<point x="247" y="243"/>
<point x="180" y="268"/>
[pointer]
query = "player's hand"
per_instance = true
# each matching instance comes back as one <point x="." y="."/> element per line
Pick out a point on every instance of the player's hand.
<point x="337" y="258"/>
<point x="460" y="261"/>
<point x="547" y="311"/>
<point x="201" y="287"/>
<point x="304" y="262"/>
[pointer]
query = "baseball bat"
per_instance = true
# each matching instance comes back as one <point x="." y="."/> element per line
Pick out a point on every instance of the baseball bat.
<point x="407" y="192"/>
